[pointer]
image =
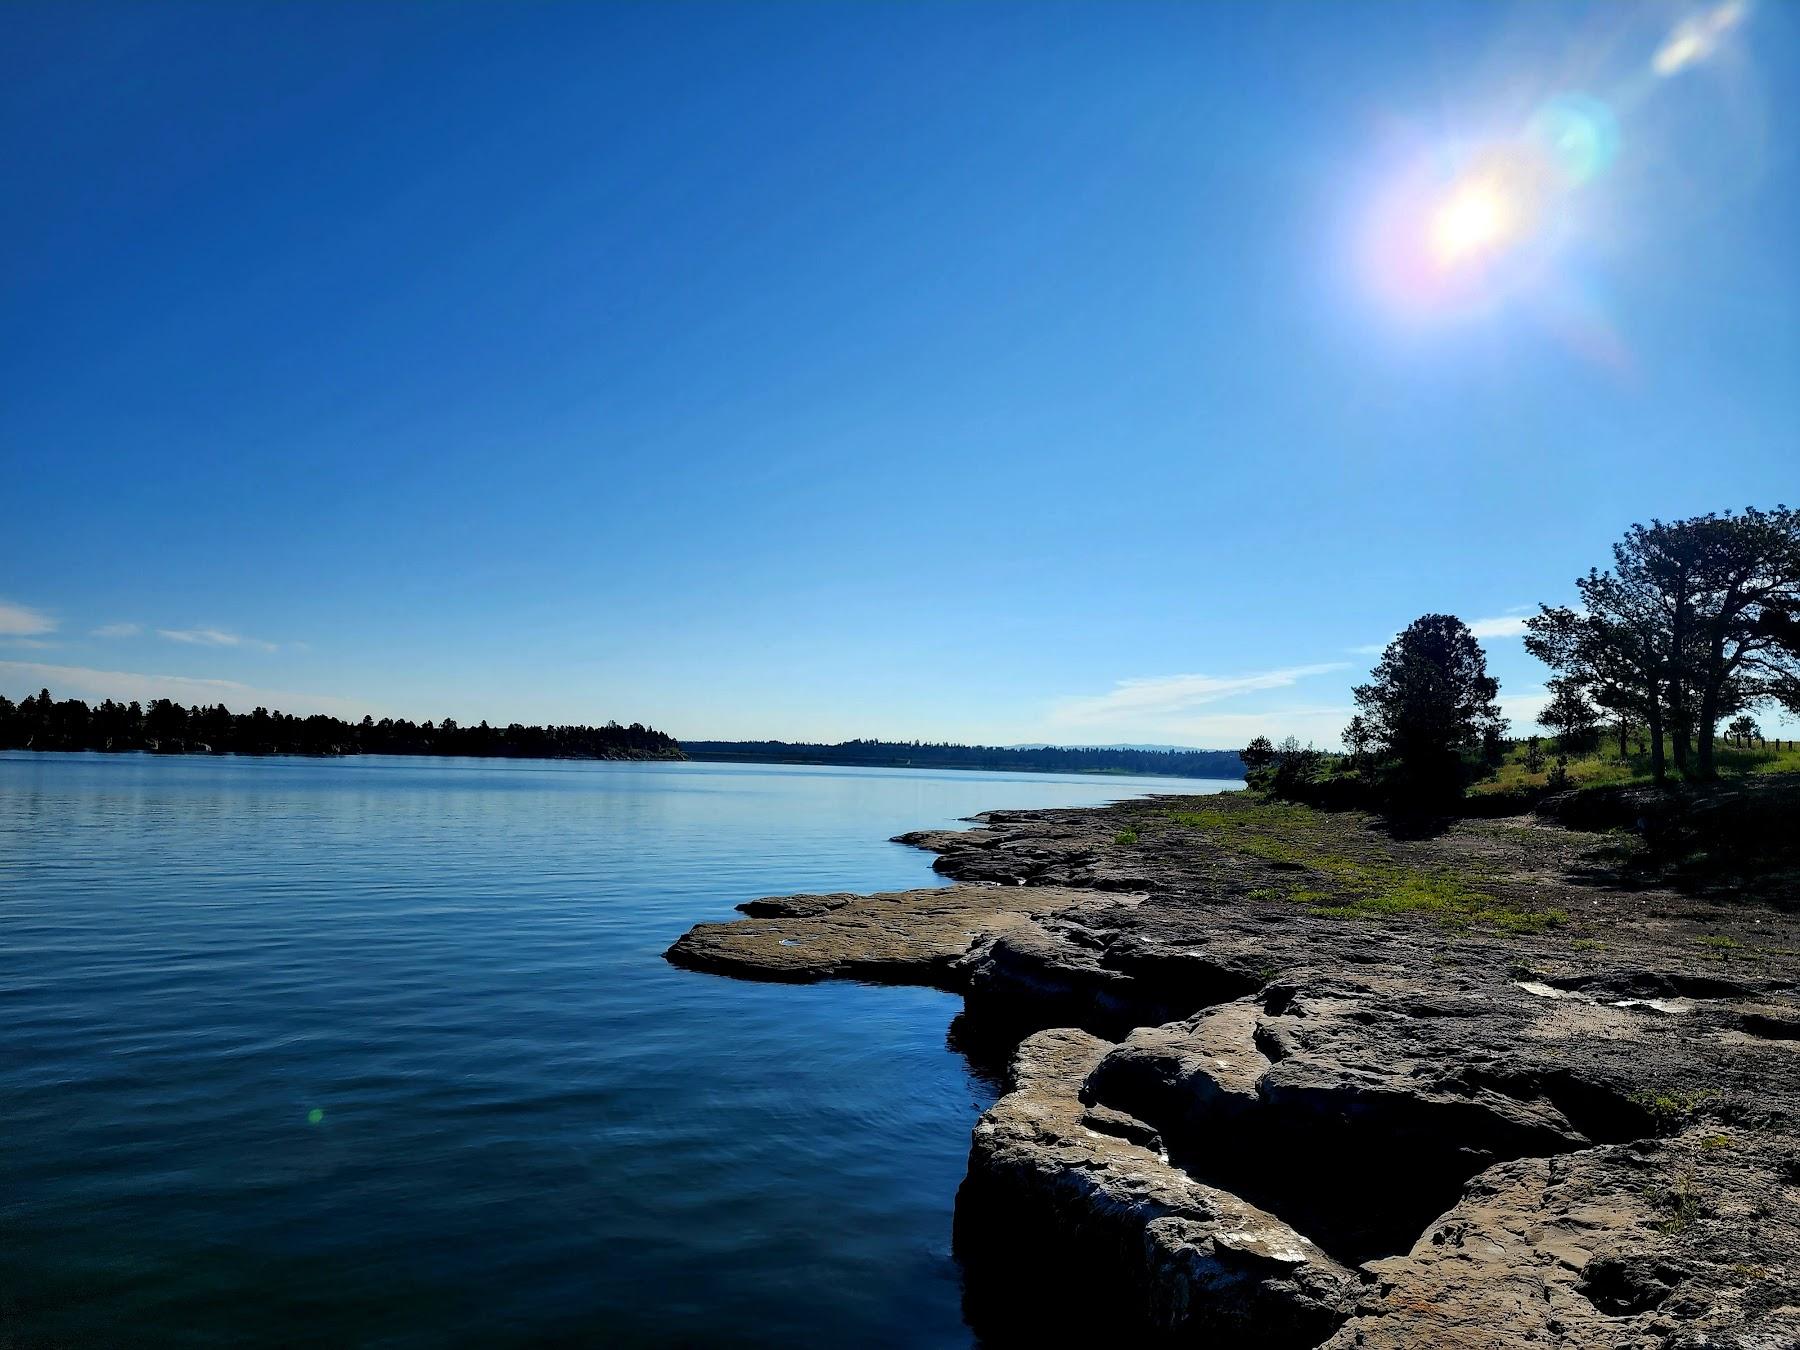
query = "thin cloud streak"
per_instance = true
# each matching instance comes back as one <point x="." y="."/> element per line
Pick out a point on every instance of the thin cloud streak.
<point x="1164" y="696"/>
<point x="118" y="630"/>
<point x="25" y="678"/>
<point x="1507" y="625"/>
<point x="215" y="637"/>
<point x="1501" y="626"/>
<point x="18" y="620"/>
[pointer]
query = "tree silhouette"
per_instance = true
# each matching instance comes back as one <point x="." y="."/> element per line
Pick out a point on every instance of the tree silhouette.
<point x="165" y="727"/>
<point x="1429" y="699"/>
<point x="1570" y="715"/>
<point x="1744" y="728"/>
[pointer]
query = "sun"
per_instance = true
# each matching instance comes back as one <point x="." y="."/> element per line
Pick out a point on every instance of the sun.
<point x="1475" y="220"/>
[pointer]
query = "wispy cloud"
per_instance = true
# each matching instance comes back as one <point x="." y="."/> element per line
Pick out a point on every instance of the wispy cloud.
<point x="1157" y="698"/>
<point x="35" y="644"/>
<point x="1509" y="624"/>
<point x="27" y="677"/>
<point x="215" y="637"/>
<point x="1522" y="707"/>
<point x="23" y="621"/>
<point x="1501" y="626"/>
<point x="118" y="630"/>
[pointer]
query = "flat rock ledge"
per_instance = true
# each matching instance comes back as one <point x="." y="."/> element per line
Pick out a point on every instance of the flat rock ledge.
<point x="1237" y="1120"/>
<point x="897" y="937"/>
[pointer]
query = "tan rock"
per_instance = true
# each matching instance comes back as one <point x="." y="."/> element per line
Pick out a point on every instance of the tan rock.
<point x="902" y="937"/>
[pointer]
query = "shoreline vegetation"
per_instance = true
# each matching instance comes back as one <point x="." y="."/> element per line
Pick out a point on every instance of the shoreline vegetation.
<point x="1658" y="674"/>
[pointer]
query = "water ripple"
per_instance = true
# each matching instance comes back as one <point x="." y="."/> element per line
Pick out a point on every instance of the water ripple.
<point x="383" y="1052"/>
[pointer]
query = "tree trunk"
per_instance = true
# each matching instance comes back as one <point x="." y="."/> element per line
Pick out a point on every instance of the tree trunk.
<point x="1622" y="746"/>
<point x="1716" y="674"/>
<point x="1703" y="762"/>
<point x="1658" y="769"/>
<point x="1681" y="725"/>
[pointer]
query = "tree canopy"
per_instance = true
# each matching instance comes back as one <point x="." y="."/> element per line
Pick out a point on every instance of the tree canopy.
<point x="1430" y="698"/>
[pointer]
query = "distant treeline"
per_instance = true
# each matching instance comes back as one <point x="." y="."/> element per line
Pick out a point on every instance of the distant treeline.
<point x="919" y="755"/>
<point x="166" y="727"/>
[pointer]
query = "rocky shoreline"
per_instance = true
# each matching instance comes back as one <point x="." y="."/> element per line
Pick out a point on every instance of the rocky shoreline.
<point x="1287" y="1078"/>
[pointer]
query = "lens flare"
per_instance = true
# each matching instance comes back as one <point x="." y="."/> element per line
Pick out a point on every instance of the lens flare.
<point x="1510" y="212"/>
<point x="1578" y="134"/>
<point x="1698" y="38"/>
<point x="1462" y="234"/>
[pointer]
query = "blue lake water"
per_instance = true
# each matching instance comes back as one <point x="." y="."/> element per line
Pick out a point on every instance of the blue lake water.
<point x="384" y="1052"/>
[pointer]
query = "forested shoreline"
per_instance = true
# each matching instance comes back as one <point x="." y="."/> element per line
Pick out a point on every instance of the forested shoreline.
<point x="1031" y="759"/>
<point x="163" y="726"/>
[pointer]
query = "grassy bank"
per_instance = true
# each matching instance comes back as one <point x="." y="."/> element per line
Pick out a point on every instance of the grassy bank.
<point x="1604" y="767"/>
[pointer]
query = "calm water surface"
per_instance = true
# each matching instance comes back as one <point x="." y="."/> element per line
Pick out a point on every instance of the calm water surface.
<point x="384" y="1052"/>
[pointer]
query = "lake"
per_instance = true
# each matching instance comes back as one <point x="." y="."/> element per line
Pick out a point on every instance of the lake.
<point x="383" y="1051"/>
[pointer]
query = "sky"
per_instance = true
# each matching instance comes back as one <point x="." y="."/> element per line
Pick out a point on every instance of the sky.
<point x="1084" y="373"/>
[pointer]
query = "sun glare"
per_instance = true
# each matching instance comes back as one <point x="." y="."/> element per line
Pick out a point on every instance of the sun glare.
<point x="1474" y="221"/>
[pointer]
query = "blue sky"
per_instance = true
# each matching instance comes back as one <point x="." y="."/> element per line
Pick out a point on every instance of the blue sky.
<point x="1083" y="373"/>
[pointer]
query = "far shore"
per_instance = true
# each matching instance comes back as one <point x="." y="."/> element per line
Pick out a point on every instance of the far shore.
<point x="203" y="751"/>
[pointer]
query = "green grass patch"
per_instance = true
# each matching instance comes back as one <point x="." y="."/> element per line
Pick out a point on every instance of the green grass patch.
<point x="1126" y="837"/>
<point x="1681" y="1204"/>
<point x="1672" y="1108"/>
<point x="1343" y="886"/>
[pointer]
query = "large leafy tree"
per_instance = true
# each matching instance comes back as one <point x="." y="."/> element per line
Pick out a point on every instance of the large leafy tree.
<point x="1696" y="620"/>
<point x="1430" y="697"/>
<point x="1748" y="589"/>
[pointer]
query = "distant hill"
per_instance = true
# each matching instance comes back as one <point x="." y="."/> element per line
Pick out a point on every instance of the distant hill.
<point x="1120" y="745"/>
<point x="1177" y="763"/>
